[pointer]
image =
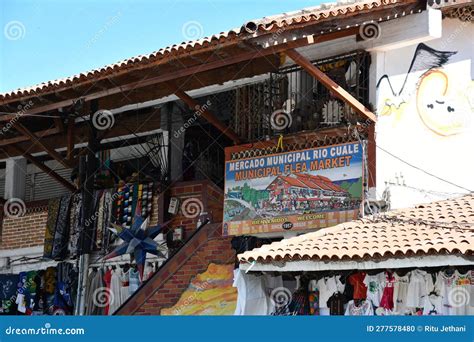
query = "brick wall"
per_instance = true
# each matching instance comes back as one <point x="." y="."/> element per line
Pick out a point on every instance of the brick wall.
<point x="164" y="289"/>
<point x="204" y="192"/>
<point x="25" y="231"/>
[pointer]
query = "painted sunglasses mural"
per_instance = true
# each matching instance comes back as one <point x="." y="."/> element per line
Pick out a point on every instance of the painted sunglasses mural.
<point x="443" y="103"/>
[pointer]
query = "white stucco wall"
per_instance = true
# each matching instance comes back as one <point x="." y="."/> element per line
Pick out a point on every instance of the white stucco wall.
<point x="431" y="123"/>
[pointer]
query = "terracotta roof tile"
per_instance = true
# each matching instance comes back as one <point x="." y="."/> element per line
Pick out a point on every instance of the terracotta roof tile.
<point x="249" y="29"/>
<point x="445" y="226"/>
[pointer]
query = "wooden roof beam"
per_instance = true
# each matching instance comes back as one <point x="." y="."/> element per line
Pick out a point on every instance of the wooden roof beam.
<point x="210" y="117"/>
<point x="38" y="142"/>
<point x="337" y="90"/>
<point x="50" y="172"/>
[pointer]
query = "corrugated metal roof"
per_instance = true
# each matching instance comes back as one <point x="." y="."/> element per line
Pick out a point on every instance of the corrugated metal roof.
<point x="250" y="29"/>
<point x="439" y="227"/>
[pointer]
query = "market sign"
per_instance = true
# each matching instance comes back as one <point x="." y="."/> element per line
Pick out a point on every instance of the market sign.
<point x="298" y="190"/>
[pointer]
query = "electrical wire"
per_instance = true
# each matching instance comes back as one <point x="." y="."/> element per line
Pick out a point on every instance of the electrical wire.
<point x="424" y="171"/>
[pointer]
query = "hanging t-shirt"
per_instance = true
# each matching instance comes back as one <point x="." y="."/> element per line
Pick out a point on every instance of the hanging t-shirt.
<point x="400" y="289"/>
<point x="417" y="289"/>
<point x="456" y="290"/>
<point x="327" y="286"/>
<point x="357" y="282"/>
<point x="433" y="305"/>
<point x="251" y="299"/>
<point x="375" y="286"/>
<point x="8" y="286"/>
<point x="133" y="281"/>
<point x="387" y="297"/>
<point x="336" y="304"/>
<point x="363" y="309"/>
<point x="271" y="283"/>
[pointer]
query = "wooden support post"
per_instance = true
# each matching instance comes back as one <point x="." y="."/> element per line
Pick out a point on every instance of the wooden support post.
<point x="70" y="139"/>
<point x="330" y="84"/>
<point x="211" y="118"/>
<point x="37" y="141"/>
<point x="43" y="167"/>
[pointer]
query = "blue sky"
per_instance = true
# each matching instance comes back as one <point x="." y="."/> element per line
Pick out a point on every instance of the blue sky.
<point x="50" y="39"/>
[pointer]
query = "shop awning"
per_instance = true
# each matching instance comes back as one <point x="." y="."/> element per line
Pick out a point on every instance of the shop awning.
<point x="429" y="235"/>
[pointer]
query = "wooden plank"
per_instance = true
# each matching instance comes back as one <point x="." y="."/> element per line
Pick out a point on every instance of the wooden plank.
<point x="125" y="124"/>
<point x="70" y="138"/>
<point x="210" y="117"/>
<point x="21" y="138"/>
<point x="43" y="167"/>
<point x="39" y="142"/>
<point x="337" y="90"/>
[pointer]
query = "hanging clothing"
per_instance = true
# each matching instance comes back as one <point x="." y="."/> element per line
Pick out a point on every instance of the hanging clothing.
<point x="115" y="292"/>
<point x="400" y="290"/>
<point x="124" y="284"/>
<point x="75" y="224"/>
<point x="133" y="281"/>
<point x="107" y="280"/>
<point x="53" y="210"/>
<point x="95" y="294"/>
<point x="433" y="305"/>
<point x="387" y="296"/>
<point x="314" y="302"/>
<point x="375" y="286"/>
<point x="357" y="282"/>
<point x="456" y="290"/>
<point x="61" y="234"/>
<point x="328" y="286"/>
<point x="271" y="283"/>
<point x="251" y="299"/>
<point x="336" y="304"/>
<point x="107" y="216"/>
<point x="50" y="280"/>
<point x="416" y="289"/>
<point x="99" y="227"/>
<point x="22" y="293"/>
<point x="8" y="286"/>
<point x="363" y="309"/>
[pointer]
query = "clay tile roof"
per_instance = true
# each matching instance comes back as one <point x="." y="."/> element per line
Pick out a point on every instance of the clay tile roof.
<point x="439" y="227"/>
<point x="249" y="29"/>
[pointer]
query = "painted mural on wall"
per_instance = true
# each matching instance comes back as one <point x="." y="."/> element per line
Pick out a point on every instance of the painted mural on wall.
<point x="210" y="293"/>
<point x="441" y="99"/>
